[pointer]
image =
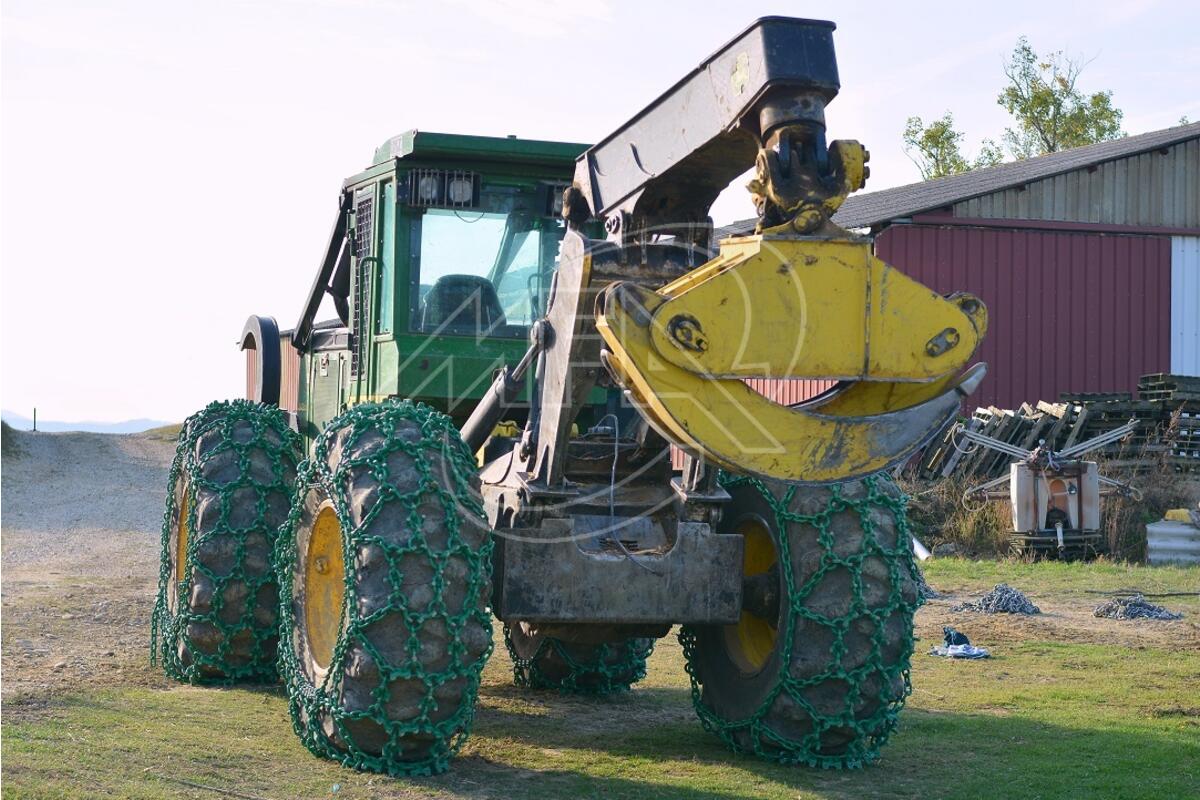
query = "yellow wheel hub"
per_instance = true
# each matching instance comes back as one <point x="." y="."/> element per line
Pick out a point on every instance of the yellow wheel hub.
<point x="324" y="586"/>
<point x="752" y="640"/>
<point x="181" y="538"/>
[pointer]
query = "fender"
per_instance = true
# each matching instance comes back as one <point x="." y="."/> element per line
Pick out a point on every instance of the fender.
<point x="261" y="334"/>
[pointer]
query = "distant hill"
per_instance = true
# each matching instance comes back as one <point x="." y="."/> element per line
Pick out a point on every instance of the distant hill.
<point x="23" y="423"/>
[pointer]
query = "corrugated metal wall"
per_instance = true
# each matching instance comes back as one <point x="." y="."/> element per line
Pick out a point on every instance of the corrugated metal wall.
<point x="1185" y="305"/>
<point x="787" y="391"/>
<point x="251" y="355"/>
<point x="1154" y="189"/>
<point x="1079" y="312"/>
<point x="289" y="375"/>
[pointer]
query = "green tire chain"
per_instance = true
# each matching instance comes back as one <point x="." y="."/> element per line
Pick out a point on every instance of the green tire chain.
<point x="579" y="668"/>
<point x="398" y="693"/>
<point x="233" y="471"/>
<point x="845" y="644"/>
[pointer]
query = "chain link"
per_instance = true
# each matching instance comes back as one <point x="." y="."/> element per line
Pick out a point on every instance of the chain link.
<point x="870" y="731"/>
<point x="424" y="743"/>
<point x="1133" y="607"/>
<point x="172" y="633"/>
<point x="608" y="667"/>
<point x="1003" y="599"/>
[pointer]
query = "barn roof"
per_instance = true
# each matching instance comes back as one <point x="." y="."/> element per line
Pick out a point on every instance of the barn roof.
<point x="865" y="210"/>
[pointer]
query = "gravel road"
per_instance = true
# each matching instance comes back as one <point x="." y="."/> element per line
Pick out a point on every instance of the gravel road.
<point x="79" y="538"/>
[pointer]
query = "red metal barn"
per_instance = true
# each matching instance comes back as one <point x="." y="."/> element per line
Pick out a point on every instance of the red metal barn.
<point x="1088" y="260"/>
<point x="1081" y="312"/>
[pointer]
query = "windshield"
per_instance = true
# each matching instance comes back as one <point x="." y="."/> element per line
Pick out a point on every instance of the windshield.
<point x="484" y="271"/>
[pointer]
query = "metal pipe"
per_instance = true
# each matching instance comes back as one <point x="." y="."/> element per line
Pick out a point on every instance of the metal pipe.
<point x="920" y="550"/>
<point x="1099" y="441"/>
<point x="995" y="444"/>
<point x="503" y="392"/>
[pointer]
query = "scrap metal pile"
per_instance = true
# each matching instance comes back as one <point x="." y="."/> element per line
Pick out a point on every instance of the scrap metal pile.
<point x="1003" y="599"/>
<point x="925" y="589"/>
<point x="1133" y="607"/>
<point x="1167" y="408"/>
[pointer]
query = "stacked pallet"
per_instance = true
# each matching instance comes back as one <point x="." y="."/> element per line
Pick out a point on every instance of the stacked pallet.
<point x="1169" y="387"/>
<point x="1182" y="392"/>
<point x="1168" y="413"/>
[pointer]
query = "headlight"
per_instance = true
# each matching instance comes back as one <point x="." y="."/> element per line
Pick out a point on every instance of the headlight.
<point x="460" y="191"/>
<point x="427" y="189"/>
<point x="445" y="188"/>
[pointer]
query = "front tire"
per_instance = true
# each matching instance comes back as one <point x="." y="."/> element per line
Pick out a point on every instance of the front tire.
<point x="600" y="668"/>
<point x="385" y="571"/>
<point x="216" y="617"/>
<point x="817" y="669"/>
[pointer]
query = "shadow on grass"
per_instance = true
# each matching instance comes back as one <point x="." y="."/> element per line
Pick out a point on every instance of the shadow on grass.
<point x="469" y="773"/>
<point x="933" y="754"/>
<point x="647" y="696"/>
<point x="647" y="743"/>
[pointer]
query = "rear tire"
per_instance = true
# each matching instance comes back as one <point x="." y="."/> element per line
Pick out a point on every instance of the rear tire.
<point x="545" y="662"/>
<point x="216" y="618"/>
<point x="822" y="682"/>
<point x="385" y="564"/>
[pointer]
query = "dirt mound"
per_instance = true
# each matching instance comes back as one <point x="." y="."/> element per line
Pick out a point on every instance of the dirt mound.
<point x="8" y="443"/>
<point x="81" y="523"/>
<point x="67" y="482"/>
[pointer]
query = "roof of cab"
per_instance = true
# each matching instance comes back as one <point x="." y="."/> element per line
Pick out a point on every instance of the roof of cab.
<point x="479" y="148"/>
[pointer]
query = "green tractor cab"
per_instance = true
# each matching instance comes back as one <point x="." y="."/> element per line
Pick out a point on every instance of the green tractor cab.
<point x="439" y="262"/>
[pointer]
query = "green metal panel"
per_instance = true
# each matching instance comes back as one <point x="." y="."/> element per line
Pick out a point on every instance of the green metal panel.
<point x="451" y="372"/>
<point x="325" y="377"/>
<point x="385" y="304"/>
<point x="457" y="147"/>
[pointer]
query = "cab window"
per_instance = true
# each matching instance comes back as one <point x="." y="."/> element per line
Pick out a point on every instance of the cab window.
<point x="483" y="271"/>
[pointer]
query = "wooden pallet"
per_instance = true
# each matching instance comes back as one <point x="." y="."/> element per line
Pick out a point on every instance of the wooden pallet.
<point x="1167" y="409"/>
<point x="1091" y="397"/>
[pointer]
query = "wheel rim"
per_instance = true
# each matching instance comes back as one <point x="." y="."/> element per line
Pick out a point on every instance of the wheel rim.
<point x="524" y="643"/>
<point x="752" y="639"/>
<point x="181" y="538"/>
<point x="324" y="586"/>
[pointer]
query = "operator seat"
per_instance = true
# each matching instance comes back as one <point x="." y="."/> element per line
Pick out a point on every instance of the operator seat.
<point x="463" y="304"/>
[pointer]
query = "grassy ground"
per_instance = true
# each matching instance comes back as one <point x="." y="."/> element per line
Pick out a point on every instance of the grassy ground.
<point x="1062" y="710"/>
<point x="8" y="442"/>
<point x="1071" y="579"/>
<point x="164" y="433"/>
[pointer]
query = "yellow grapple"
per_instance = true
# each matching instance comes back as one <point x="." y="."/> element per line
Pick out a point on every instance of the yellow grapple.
<point x="785" y="306"/>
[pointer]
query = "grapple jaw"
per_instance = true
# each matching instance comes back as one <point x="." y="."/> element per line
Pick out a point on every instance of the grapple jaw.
<point x="793" y="307"/>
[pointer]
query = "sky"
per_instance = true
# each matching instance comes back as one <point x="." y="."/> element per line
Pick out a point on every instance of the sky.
<point x="168" y="168"/>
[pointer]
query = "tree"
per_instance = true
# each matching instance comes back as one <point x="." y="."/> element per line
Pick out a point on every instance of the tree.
<point x="1051" y="114"/>
<point x="936" y="148"/>
<point x="990" y="154"/>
